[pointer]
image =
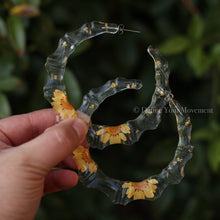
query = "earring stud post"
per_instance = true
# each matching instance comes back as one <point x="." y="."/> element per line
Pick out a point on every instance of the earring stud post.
<point x="135" y="31"/>
<point x="121" y="29"/>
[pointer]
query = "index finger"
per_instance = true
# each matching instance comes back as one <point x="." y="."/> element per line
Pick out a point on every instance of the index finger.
<point x="18" y="129"/>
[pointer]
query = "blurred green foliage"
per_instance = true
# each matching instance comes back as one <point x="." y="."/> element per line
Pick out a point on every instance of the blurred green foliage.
<point x="187" y="33"/>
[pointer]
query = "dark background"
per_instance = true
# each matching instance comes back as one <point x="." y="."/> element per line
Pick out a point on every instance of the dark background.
<point x="186" y="32"/>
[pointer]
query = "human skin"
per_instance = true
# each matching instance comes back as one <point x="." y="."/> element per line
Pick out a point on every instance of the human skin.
<point x="30" y="146"/>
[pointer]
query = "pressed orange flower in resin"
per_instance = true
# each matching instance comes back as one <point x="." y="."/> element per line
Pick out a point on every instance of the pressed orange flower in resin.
<point x="83" y="160"/>
<point x="141" y="190"/>
<point x="114" y="134"/>
<point x="61" y="105"/>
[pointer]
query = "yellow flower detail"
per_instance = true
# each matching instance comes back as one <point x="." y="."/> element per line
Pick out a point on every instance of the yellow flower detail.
<point x="133" y="86"/>
<point x="83" y="160"/>
<point x="141" y="190"/>
<point x="92" y="106"/>
<point x="114" y="134"/>
<point x="179" y="159"/>
<point x="113" y="85"/>
<point x="157" y="63"/>
<point x="86" y="29"/>
<point x="61" y="105"/>
<point x="187" y="123"/>
<point x="64" y="44"/>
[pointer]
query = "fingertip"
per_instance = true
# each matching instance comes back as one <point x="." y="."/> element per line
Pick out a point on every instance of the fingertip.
<point x="79" y="126"/>
<point x="84" y="117"/>
<point x="56" y="143"/>
<point x="60" y="179"/>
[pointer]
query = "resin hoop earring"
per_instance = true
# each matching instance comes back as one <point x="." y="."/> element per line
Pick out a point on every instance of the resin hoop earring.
<point x="100" y="136"/>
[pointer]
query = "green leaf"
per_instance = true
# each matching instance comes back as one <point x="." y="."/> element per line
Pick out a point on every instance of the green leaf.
<point x="214" y="154"/>
<point x="174" y="45"/>
<point x="17" y="33"/>
<point x="3" y="29"/>
<point x="203" y="134"/>
<point x="8" y="83"/>
<point x="6" y="65"/>
<point x="215" y="50"/>
<point x="215" y="54"/>
<point x="17" y="2"/>
<point x="33" y="2"/>
<point x="5" y="109"/>
<point x="196" y="27"/>
<point x="198" y="60"/>
<point x="207" y="134"/>
<point x="73" y="89"/>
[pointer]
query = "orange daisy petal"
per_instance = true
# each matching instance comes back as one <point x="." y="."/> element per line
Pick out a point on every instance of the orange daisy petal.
<point x="152" y="181"/>
<point x="100" y="132"/>
<point x="92" y="167"/>
<point x="83" y="160"/>
<point x="148" y="193"/>
<point x="130" y="192"/>
<point x="105" y="137"/>
<point x="125" y="129"/>
<point x="115" y="139"/>
<point x="122" y="137"/>
<point x="139" y="195"/>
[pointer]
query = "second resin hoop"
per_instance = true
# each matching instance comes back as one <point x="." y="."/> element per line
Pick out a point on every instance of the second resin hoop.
<point x="101" y="136"/>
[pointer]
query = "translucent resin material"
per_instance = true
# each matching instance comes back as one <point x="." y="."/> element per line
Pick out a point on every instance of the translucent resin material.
<point x="101" y="136"/>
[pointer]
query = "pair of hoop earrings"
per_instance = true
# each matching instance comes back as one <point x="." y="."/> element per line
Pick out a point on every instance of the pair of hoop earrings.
<point x="101" y="136"/>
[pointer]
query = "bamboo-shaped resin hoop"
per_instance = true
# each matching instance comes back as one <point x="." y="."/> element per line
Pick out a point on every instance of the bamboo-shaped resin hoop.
<point x="101" y="136"/>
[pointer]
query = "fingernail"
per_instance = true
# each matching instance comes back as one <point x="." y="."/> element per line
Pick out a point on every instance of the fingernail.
<point x="84" y="117"/>
<point x="81" y="128"/>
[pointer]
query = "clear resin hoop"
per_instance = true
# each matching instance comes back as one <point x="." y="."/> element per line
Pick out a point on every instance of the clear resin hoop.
<point x="101" y="136"/>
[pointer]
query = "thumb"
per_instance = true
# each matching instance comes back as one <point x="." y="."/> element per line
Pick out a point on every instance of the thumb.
<point x="56" y="143"/>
